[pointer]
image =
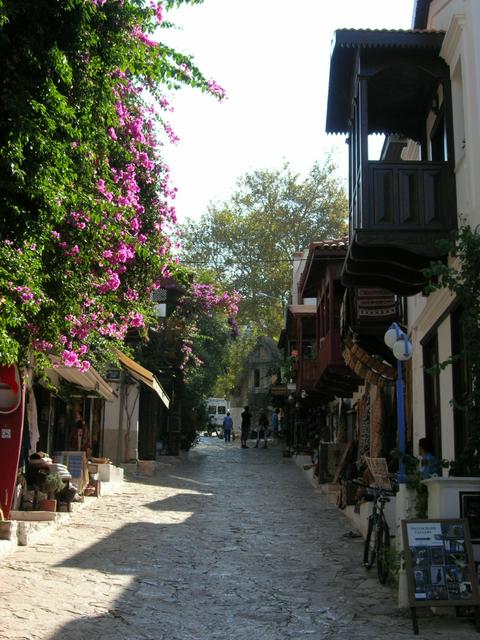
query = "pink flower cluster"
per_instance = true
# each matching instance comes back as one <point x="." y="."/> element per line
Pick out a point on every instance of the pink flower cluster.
<point x="158" y="10"/>
<point x="189" y="356"/>
<point x="205" y="293"/>
<point x="126" y="228"/>
<point x="142" y="37"/>
<point x="25" y="294"/>
<point x="216" y="89"/>
<point x="42" y="345"/>
<point x="128" y="219"/>
<point x="71" y="359"/>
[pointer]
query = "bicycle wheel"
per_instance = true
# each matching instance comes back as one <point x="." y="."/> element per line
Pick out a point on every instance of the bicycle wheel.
<point x="383" y="548"/>
<point x="370" y="547"/>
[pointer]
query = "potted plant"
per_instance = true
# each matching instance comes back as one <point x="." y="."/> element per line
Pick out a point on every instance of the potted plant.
<point x="51" y="485"/>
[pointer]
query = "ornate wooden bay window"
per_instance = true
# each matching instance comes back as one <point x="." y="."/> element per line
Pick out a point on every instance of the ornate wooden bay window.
<point x="394" y="83"/>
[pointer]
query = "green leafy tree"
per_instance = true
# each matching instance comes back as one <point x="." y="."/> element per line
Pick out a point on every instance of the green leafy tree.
<point x="192" y="345"/>
<point x="85" y="198"/>
<point x="248" y="241"/>
<point x="234" y="365"/>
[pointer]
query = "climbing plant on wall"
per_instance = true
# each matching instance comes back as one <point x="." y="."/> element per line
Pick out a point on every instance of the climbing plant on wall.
<point x="462" y="277"/>
<point x="85" y="198"/>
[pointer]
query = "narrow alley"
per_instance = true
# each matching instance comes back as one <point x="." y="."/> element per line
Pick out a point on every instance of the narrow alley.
<point x="226" y="543"/>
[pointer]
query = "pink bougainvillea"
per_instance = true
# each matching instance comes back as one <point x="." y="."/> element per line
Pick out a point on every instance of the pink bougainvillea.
<point x="107" y="210"/>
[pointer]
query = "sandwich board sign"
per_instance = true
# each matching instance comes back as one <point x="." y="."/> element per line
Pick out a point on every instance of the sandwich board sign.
<point x="439" y="565"/>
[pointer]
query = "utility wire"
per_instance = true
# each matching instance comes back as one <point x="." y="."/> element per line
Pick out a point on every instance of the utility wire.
<point x="259" y="260"/>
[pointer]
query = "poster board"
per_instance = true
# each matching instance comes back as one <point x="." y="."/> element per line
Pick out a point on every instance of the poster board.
<point x="439" y="565"/>
<point x="76" y="463"/>
<point x="379" y="470"/>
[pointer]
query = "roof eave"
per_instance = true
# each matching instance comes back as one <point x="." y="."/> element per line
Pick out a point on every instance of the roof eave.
<point x="346" y="43"/>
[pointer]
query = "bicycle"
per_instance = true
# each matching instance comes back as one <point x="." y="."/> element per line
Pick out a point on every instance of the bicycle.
<point x="214" y="429"/>
<point x="377" y="541"/>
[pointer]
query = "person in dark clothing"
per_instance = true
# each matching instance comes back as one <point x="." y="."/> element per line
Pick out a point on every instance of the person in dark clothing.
<point x="80" y="435"/>
<point x="276" y="423"/>
<point x="429" y="465"/>
<point x="245" y="427"/>
<point x="262" y="429"/>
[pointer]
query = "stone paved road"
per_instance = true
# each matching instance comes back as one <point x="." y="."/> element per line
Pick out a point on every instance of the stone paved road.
<point x="228" y="544"/>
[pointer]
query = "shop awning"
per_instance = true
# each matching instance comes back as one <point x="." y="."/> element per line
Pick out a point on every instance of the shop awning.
<point x="371" y="368"/>
<point x="144" y="376"/>
<point x="89" y="380"/>
<point x="302" y="309"/>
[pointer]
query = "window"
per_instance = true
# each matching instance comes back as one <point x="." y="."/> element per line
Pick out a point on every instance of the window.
<point x="212" y="409"/>
<point x="159" y="299"/>
<point x="256" y="378"/>
<point x="221" y="410"/>
<point x="307" y="350"/>
<point x="431" y="389"/>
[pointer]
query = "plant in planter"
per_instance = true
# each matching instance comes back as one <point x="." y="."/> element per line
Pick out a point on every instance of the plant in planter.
<point x="51" y="485"/>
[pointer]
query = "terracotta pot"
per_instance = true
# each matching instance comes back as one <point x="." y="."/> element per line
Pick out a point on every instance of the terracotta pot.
<point x="47" y="505"/>
<point x="8" y="530"/>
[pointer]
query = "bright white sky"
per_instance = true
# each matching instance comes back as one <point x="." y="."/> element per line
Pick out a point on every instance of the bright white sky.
<point x="272" y="57"/>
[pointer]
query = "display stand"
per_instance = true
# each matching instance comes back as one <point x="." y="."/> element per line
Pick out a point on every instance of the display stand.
<point x="76" y="463"/>
<point x="379" y="470"/>
<point x="439" y="566"/>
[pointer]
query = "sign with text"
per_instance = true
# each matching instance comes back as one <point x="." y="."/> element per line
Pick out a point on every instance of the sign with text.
<point x="76" y="463"/>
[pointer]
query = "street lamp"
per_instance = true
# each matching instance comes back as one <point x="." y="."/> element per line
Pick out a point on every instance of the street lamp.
<point x="402" y="349"/>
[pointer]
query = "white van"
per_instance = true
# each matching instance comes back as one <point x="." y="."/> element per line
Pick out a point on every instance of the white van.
<point x="217" y="410"/>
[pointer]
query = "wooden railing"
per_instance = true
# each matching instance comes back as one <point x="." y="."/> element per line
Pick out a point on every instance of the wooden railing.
<point x="407" y="196"/>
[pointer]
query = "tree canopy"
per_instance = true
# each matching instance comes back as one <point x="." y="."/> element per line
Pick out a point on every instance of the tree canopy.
<point x="85" y="199"/>
<point x="247" y="242"/>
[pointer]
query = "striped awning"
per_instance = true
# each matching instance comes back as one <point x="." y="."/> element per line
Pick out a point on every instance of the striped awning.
<point x="371" y="368"/>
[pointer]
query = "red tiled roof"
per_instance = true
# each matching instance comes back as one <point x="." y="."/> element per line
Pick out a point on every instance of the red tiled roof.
<point x="332" y="244"/>
<point x="323" y="249"/>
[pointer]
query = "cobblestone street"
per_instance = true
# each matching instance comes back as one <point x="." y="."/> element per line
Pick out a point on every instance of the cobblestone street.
<point x="223" y="544"/>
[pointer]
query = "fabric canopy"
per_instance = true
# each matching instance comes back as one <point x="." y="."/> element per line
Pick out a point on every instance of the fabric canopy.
<point x="89" y="380"/>
<point x="144" y="376"/>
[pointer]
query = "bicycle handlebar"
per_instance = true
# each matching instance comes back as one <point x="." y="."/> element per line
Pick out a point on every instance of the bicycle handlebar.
<point x="381" y="490"/>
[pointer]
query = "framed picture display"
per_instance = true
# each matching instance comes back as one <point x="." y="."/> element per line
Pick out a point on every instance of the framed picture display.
<point x="439" y="564"/>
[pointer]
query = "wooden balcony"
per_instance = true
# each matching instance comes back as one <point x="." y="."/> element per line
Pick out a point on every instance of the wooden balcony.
<point x="408" y="196"/>
<point x="394" y="83"/>
<point x="327" y="373"/>
<point x="308" y="373"/>
<point x="398" y="216"/>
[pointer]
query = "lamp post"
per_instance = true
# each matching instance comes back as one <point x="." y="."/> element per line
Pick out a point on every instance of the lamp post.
<point x="402" y="349"/>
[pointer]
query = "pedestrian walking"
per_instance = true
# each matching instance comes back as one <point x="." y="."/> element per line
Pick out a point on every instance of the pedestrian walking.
<point x="245" y="427"/>
<point x="227" y="427"/>
<point x="262" y="429"/>
<point x="275" y="423"/>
